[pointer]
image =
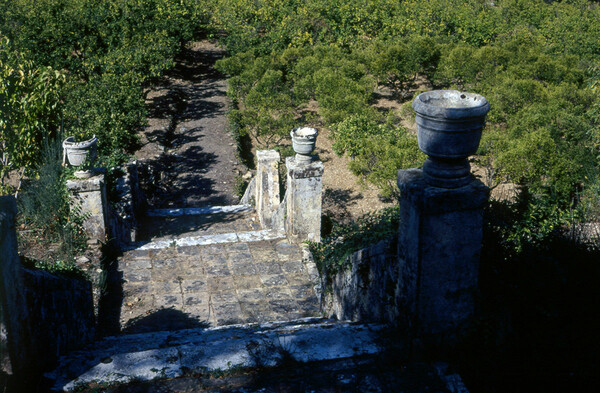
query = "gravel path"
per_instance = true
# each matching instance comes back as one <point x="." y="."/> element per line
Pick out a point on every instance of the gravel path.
<point x="188" y="152"/>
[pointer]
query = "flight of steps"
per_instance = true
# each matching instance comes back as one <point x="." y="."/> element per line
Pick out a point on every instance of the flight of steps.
<point x="172" y="354"/>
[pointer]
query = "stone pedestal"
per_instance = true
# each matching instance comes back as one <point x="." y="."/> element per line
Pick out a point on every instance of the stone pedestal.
<point x="439" y="250"/>
<point x="267" y="195"/>
<point x="303" y="198"/>
<point x="89" y="197"/>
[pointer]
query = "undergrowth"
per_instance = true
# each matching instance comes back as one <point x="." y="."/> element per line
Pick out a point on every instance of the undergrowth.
<point x="50" y="230"/>
<point x="331" y="254"/>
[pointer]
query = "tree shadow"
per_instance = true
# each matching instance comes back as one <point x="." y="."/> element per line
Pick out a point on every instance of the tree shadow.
<point x="337" y="202"/>
<point x="198" y="225"/>
<point x="162" y="320"/>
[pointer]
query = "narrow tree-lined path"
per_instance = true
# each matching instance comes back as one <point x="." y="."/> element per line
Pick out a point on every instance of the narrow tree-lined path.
<point x="187" y="145"/>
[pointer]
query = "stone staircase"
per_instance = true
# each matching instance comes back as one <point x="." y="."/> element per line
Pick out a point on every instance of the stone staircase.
<point x="209" y="266"/>
<point x="209" y="292"/>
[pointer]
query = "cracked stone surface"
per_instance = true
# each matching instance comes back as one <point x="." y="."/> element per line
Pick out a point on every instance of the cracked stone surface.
<point x="213" y="285"/>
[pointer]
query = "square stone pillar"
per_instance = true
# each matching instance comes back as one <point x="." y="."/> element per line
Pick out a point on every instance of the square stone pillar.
<point x="267" y="195"/>
<point x="439" y="250"/>
<point x="89" y="196"/>
<point x="303" y="198"/>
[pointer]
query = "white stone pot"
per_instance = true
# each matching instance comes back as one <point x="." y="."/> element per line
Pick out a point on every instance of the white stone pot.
<point x="80" y="153"/>
<point x="303" y="142"/>
<point x="449" y="126"/>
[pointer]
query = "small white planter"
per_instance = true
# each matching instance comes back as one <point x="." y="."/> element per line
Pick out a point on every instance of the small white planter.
<point x="303" y="142"/>
<point x="80" y="153"/>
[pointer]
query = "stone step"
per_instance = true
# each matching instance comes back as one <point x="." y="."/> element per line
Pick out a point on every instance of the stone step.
<point x="197" y="211"/>
<point x="168" y="224"/>
<point x="172" y="354"/>
<point x="218" y="238"/>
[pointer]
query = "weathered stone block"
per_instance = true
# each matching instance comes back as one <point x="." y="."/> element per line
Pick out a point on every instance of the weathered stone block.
<point x="303" y="199"/>
<point x="89" y="197"/>
<point x="15" y="314"/>
<point x="267" y="186"/>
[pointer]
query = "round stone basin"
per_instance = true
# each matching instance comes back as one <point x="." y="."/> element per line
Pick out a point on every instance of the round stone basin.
<point x="451" y="104"/>
<point x="449" y="125"/>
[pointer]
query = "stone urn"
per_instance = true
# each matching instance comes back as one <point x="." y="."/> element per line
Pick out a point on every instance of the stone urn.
<point x="449" y="125"/>
<point x="303" y="142"/>
<point x="79" y="154"/>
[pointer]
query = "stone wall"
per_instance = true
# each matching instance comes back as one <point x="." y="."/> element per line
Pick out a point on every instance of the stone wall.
<point x="368" y="290"/>
<point x="43" y="315"/>
<point x="61" y="314"/>
<point x="12" y="297"/>
<point x="126" y="202"/>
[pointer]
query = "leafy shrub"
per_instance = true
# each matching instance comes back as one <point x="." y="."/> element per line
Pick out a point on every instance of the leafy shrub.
<point x="108" y="106"/>
<point x="109" y="51"/>
<point x="377" y="150"/>
<point x="29" y="110"/>
<point x="332" y="252"/>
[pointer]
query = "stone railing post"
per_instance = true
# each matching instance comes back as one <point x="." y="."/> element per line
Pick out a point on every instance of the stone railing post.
<point x="15" y="318"/>
<point x="441" y="223"/>
<point x="89" y="196"/>
<point x="303" y="189"/>
<point x="267" y="195"/>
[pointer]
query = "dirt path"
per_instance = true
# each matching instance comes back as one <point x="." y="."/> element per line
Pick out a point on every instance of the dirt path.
<point x="188" y="152"/>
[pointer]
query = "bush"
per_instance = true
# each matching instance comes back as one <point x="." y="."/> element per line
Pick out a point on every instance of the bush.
<point x="29" y="110"/>
<point x="332" y="252"/>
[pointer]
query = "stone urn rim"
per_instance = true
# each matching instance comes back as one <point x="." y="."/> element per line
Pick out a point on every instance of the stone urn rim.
<point x="77" y="153"/>
<point x="70" y="143"/>
<point x="450" y="104"/>
<point x="307" y="133"/>
<point x="304" y="140"/>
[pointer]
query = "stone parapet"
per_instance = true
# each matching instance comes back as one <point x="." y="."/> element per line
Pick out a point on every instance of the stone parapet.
<point x="12" y="297"/>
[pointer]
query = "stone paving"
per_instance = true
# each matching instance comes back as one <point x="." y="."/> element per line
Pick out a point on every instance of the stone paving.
<point x="160" y="228"/>
<point x="215" y="284"/>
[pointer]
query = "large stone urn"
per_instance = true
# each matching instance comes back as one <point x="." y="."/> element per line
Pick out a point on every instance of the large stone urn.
<point x="449" y="125"/>
<point x="80" y="153"/>
<point x="303" y="142"/>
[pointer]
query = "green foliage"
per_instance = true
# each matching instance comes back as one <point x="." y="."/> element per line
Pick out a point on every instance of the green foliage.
<point x="29" y="109"/>
<point x="108" y="106"/>
<point x="331" y="254"/>
<point x="109" y="50"/>
<point x="45" y="212"/>
<point x="377" y="150"/>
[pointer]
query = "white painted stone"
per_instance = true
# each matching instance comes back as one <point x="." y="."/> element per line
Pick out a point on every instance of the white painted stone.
<point x="233" y="237"/>
<point x="267" y="196"/>
<point x="198" y="211"/>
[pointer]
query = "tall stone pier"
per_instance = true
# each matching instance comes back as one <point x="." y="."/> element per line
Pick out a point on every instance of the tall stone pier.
<point x="439" y="250"/>
<point x="441" y="222"/>
<point x="16" y="337"/>
<point x="267" y="197"/>
<point x="303" y="199"/>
